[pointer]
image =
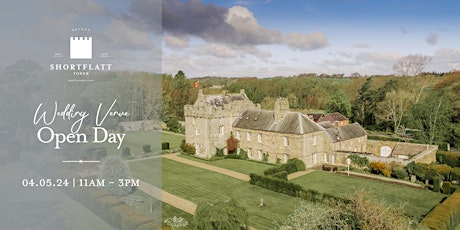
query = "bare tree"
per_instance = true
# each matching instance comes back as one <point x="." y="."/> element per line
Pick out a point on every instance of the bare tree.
<point x="411" y="65"/>
<point x="394" y="107"/>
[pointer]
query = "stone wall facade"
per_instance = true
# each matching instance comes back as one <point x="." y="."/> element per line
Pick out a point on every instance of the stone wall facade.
<point x="308" y="147"/>
<point x="208" y="126"/>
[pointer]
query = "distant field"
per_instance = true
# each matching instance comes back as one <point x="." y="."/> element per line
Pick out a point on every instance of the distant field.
<point x="196" y="184"/>
<point x="417" y="202"/>
<point x="242" y="166"/>
<point x="174" y="139"/>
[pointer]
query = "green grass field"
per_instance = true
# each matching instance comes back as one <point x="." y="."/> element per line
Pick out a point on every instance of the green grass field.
<point x="148" y="170"/>
<point x="174" y="139"/>
<point x="242" y="166"/>
<point x="417" y="202"/>
<point x="200" y="185"/>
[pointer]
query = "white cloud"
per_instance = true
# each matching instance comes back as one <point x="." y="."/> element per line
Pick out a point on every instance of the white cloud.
<point x="176" y="42"/>
<point x="311" y="41"/>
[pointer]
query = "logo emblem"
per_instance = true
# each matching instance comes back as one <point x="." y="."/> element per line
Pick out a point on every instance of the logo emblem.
<point x="81" y="47"/>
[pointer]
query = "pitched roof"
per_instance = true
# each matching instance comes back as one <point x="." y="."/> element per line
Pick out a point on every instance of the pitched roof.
<point x="292" y="122"/>
<point x="315" y="116"/>
<point x="346" y="132"/>
<point x="333" y="117"/>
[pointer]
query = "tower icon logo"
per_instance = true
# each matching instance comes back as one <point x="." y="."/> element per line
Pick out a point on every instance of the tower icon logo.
<point x="81" y="47"/>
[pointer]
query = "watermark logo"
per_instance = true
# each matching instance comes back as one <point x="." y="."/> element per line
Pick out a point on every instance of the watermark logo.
<point x="81" y="50"/>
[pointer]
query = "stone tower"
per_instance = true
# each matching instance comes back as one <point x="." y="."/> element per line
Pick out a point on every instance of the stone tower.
<point x="208" y="122"/>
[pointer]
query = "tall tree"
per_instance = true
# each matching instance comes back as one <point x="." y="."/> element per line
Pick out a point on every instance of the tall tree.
<point x="364" y="104"/>
<point x="411" y="65"/>
<point x="339" y="102"/>
<point x="433" y="117"/>
<point x="394" y="107"/>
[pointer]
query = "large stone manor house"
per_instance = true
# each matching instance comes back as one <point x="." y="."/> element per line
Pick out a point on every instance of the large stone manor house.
<point x="278" y="134"/>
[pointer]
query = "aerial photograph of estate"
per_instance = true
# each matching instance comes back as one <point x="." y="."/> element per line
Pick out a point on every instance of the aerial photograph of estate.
<point x="229" y="115"/>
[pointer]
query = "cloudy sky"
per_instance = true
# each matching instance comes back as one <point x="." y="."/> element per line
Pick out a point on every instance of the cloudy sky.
<point x="236" y="38"/>
<point x="267" y="38"/>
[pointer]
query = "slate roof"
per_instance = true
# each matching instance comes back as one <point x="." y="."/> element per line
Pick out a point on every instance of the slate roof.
<point x="292" y="122"/>
<point x="333" y="117"/>
<point x="316" y="116"/>
<point x="346" y="132"/>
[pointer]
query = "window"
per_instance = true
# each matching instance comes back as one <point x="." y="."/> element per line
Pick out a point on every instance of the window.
<point x="248" y="136"/>
<point x="249" y="153"/>
<point x="197" y="131"/>
<point x="314" y="140"/>
<point x="333" y="159"/>
<point x="259" y="154"/>
<point x="221" y="130"/>
<point x="197" y="149"/>
<point x="285" y="158"/>
<point x="325" y="158"/>
<point x="238" y="136"/>
<point x="286" y="141"/>
<point x="193" y="120"/>
<point x="315" y="159"/>
<point x="259" y="137"/>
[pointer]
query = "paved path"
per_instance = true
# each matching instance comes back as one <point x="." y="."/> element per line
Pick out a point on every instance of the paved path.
<point x="216" y="169"/>
<point x="145" y="158"/>
<point x="300" y="173"/>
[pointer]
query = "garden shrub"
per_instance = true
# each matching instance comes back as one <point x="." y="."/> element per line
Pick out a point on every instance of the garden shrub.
<point x="359" y="161"/>
<point x="446" y="187"/>
<point x="243" y="154"/>
<point x="299" y="164"/>
<point x="187" y="148"/>
<point x="220" y="152"/>
<point x="164" y="145"/>
<point x="146" y="149"/>
<point x="436" y="185"/>
<point x="377" y="167"/>
<point x="445" y="216"/>
<point x="399" y="173"/>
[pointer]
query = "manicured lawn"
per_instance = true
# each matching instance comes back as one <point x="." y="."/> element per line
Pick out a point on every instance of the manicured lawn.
<point x="148" y="170"/>
<point x="200" y="185"/>
<point x="166" y="210"/>
<point x="417" y="202"/>
<point x="174" y="139"/>
<point x="242" y="166"/>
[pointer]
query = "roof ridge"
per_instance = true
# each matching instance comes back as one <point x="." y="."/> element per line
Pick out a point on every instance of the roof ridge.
<point x="299" y="115"/>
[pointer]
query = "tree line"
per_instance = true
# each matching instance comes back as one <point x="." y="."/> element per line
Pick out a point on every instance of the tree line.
<point x="427" y="104"/>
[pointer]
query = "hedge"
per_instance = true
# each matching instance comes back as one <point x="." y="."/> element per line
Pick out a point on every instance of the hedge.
<point x="281" y="171"/>
<point x="450" y="158"/>
<point x="291" y="189"/>
<point x="445" y="216"/>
